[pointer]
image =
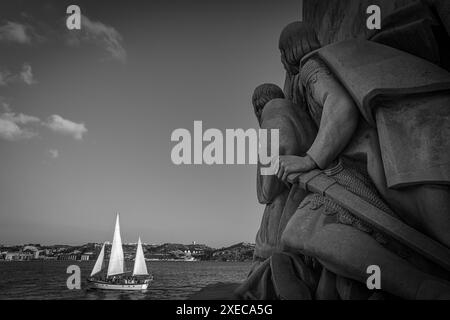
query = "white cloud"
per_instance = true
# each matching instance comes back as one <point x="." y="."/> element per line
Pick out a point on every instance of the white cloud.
<point x="100" y="34"/>
<point x="15" y="32"/>
<point x="64" y="126"/>
<point x="9" y="130"/>
<point x="19" y="118"/>
<point x="17" y="126"/>
<point x="12" y="125"/>
<point x="95" y="32"/>
<point x="53" y="153"/>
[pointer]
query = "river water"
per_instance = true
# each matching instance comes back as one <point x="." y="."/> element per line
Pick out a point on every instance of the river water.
<point x="172" y="279"/>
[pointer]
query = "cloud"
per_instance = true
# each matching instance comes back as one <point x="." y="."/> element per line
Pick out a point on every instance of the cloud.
<point x="100" y="34"/>
<point x="18" y="126"/>
<point x="9" y="130"/>
<point x="93" y="32"/>
<point x="27" y="74"/>
<point x="12" y="125"/>
<point x="67" y="127"/>
<point x="53" y="153"/>
<point x="4" y="77"/>
<point x="15" y="32"/>
<point x="24" y="76"/>
<point x="19" y="118"/>
<point x="5" y="105"/>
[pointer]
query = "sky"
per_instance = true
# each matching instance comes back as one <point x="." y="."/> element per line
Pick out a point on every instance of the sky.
<point x="86" y="117"/>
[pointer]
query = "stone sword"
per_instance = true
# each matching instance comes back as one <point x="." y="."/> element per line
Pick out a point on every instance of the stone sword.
<point x="317" y="182"/>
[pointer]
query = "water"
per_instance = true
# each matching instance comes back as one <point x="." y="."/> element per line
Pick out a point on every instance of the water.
<point x="173" y="280"/>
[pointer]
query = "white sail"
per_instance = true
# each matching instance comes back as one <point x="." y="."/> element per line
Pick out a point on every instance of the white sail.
<point x="140" y="268"/>
<point x="115" y="265"/>
<point x="99" y="262"/>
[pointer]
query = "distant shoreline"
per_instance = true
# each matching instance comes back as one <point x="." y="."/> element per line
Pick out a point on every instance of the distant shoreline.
<point x="165" y="252"/>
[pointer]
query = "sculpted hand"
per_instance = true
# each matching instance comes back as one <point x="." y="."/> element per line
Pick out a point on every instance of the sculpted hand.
<point x="292" y="164"/>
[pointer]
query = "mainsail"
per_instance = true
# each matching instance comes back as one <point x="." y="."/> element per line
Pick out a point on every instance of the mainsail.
<point x="115" y="265"/>
<point x="99" y="262"/>
<point x="140" y="268"/>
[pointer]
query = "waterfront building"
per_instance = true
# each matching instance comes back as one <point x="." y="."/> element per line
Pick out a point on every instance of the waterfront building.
<point x="85" y="257"/>
<point x="18" y="256"/>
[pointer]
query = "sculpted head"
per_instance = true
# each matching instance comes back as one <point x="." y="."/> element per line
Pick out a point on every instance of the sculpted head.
<point x="263" y="94"/>
<point x="297" y="40"/>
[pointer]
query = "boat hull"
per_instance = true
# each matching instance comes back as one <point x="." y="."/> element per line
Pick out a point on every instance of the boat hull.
<point x="119" y="286"/>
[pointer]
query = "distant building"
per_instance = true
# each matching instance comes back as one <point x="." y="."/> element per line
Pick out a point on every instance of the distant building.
<point x="69" y="256"/>
<point x="33" y="250"/>
<point x="18" y="256"/>
<point x="30" y="248"/>
<point x="85" y="257"/>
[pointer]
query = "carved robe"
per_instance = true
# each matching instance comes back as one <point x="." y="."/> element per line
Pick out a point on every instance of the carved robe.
<point x="296" y="132"/>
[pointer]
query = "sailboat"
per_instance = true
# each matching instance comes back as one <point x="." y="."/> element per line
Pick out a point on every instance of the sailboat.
<point x="116" y="278"/>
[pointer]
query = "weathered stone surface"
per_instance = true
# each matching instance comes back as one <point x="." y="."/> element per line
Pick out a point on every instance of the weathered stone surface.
<point x="414" y="140"/>
<point x="442" y="7"/>
<point x="413" y="130"/>
<point x="283" y="276"/>
<point x="421" y="28"/>
<point x="369" y="70"/>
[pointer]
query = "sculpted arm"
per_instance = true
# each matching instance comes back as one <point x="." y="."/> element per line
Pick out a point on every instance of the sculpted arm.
<point x="339" y="120"/>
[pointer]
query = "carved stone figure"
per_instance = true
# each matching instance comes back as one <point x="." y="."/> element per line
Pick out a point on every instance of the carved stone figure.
<point x="291" y="43"/>
<point x="337" y="114"/>
<point x="275" y="274"/>
<point x="381" y="112"/>
<point x="413" y="149"/>
<point x="274" y="112"/>
<point x="373" y="117"/>
<point x="303" y="276"/>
